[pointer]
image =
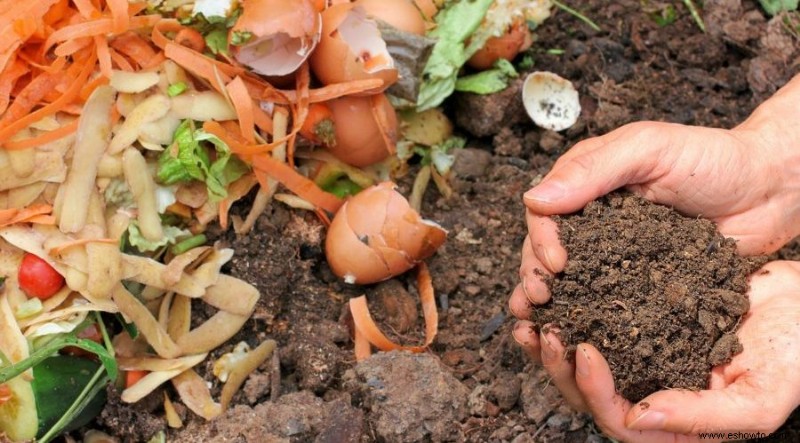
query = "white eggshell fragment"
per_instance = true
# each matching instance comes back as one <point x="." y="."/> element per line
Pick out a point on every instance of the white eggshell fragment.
<point x="551" y="101"/>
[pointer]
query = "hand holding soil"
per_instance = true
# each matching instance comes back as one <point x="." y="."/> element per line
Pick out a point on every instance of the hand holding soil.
<point x="740" y="179"/>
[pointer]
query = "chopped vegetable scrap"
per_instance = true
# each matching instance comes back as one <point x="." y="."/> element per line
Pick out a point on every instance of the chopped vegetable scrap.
<point x="128" y="127"/>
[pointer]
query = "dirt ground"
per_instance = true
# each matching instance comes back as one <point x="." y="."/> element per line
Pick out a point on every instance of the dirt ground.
<point x="474" y="384"/>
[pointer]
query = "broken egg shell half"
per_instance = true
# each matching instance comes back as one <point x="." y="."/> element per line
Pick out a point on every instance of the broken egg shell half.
<point x="401" y="14"/>
<point x="351" y="48"/>
<point x="551" y="101"/>
<point x="507" y="46"/>
<point x="376" y="235"/>
<point x="365" y="129"/>
<point x="284" y="35"/>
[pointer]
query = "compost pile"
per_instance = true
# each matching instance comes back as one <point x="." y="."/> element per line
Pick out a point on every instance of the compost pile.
<point x="659" y="294"/>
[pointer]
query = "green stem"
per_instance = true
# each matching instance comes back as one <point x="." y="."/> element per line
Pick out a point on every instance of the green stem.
<point x="695" y="14"/>
<point x="189" y="243"/>
<point x="577" y="15"/>
<point x="39" y="355"/>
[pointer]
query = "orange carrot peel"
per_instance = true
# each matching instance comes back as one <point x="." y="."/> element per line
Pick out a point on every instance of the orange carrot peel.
<point x="368" y="333"/>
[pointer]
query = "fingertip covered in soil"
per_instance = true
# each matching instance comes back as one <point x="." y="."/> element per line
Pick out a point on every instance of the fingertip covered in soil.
<point x="661" y="295"/>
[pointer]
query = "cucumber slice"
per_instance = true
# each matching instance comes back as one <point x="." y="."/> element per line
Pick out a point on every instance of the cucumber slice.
<point x="18" y="416"/>
<point x="58" y="381"/>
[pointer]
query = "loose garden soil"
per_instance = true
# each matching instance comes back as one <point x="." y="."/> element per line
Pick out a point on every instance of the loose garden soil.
<point x="659" y="294"/>
<point x="474" y="384"/>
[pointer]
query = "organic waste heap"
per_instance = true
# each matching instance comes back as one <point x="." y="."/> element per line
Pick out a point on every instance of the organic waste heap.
<point x="659" y="294"/>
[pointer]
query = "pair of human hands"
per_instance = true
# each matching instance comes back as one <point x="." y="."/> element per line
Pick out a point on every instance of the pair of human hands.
<point x="747" y="181"/>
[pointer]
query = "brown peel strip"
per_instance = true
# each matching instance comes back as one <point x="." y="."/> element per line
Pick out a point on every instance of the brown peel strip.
<point x="136" y="312"/>
<point x="173" y="271"/>
<point x="244" y="368"/>
<point x="173" y="419"/>
<point x="367" y="327"/>
<point x="195" y="394"/>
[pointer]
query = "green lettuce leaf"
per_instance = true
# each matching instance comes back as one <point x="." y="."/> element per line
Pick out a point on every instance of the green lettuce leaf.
<point x="188" y="159"/>
<point x="454" y="26"/>
<point x="137" y="240"/>
<point x="489" y="81"/>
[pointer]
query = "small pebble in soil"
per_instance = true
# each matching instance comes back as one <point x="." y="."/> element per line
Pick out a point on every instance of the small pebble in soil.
<point x="659" y="294"/>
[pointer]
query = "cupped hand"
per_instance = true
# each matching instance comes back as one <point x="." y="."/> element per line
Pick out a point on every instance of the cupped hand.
<point x="750" y="190"/>
<point x="753" y="393"/>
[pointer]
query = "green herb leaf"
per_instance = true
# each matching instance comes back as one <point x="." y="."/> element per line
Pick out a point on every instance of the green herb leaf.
<point x="217" y="41"/>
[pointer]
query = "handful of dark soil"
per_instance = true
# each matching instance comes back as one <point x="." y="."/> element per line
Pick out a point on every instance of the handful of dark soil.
<point x="659" y="294"/>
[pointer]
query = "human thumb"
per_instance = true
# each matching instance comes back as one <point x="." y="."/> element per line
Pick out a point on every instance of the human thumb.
<point x="589" y="175"/>
<point x="734" y="408"/>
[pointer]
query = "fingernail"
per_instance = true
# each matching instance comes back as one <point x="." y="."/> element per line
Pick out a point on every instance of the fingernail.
<point x="518" y="327"/>
<point x="525" y="287"/>
<point x="547" y="192"/>
<point x="582" y="362"/>
<point x="649" y="421"/>
<point x="548" y="351"/>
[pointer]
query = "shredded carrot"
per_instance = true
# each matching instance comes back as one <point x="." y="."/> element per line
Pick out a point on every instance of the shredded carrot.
<point x="13" y="216"/>
<point x="134" y="47"/>
<point x="200" y="65"/>
<point x="70" y="47"/>
<point x="120" y="60"/>
<point x="87" y="89"/>
<point x="103" y="55"/>
<point x="296" y="183"/>
<point x="133" y="376"/>
<point x="42" y="139"/>
<point x="95" y="27"/>
<point x="56" y="13"/>
<point x="243" y="105"/>
<point x="191" y="39"/>
<point x="8" y="79"/>
<point x="324" y="93"/>
<point x="379" y="114"/>
<point x="317" y="113"/>
<point x="70" y="94"/>
<point x="56" y="250"/>
<point x="119" y="15"/>
<point x="366" y="326"/>
<point x="29" y="96"/>
<point x="86" y="8"/>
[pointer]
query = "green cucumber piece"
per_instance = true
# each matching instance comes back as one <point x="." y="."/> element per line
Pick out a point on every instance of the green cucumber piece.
<point x="58" y="381"/>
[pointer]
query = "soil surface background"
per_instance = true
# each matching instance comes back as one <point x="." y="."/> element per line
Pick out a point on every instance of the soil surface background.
<point x="474" y="384"/>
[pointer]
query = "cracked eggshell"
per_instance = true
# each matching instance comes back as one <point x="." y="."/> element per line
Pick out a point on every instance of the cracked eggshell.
<point x="376" y="235"/>
<point x="551" y="101"/>
<point x="284" y="34"/>
<point x="402" y="14"/>
<point x="351" y="48"/>
<point x="365" y="129"/>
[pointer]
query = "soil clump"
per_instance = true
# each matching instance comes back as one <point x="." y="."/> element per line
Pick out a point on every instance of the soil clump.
<point x="659" y="294"/>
